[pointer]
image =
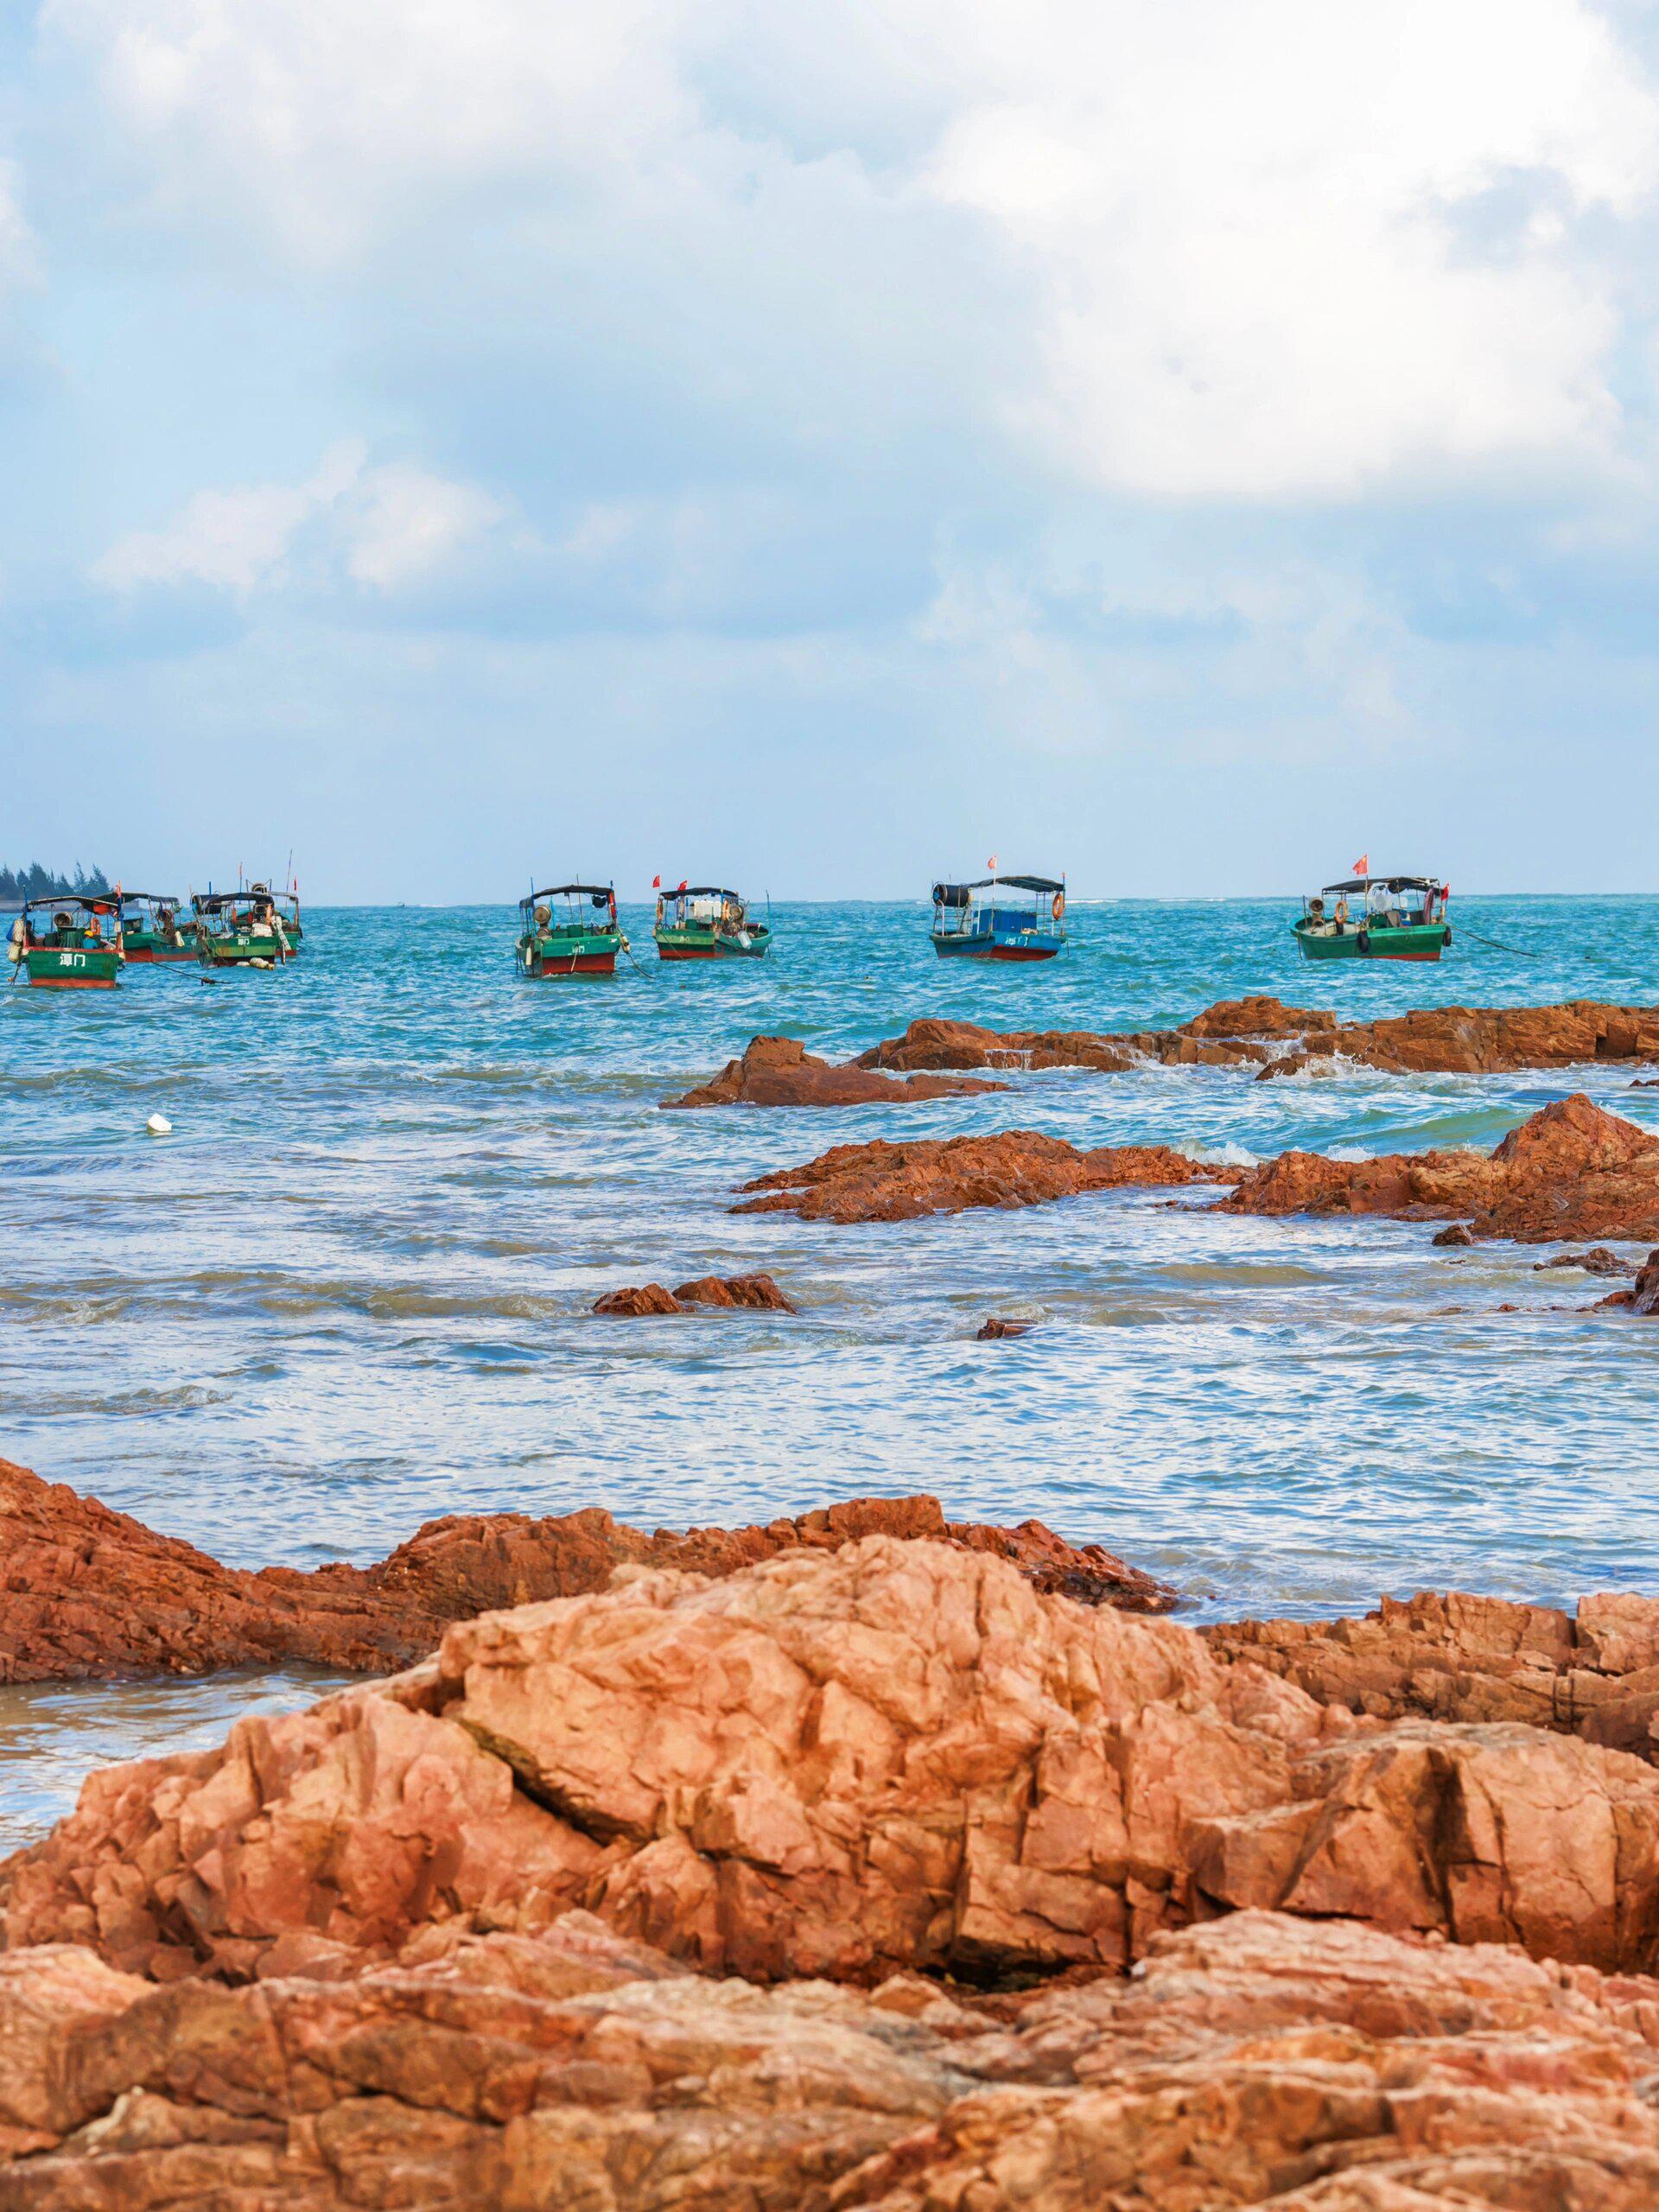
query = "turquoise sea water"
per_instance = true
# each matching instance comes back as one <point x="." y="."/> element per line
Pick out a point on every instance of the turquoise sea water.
<point x="351" y="1291"/>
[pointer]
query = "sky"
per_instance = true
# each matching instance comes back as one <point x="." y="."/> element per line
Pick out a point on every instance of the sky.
<point x="1181" y="445"/>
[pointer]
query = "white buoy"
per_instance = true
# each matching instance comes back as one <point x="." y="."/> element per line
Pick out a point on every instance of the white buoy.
<point x="159" y="1126"/>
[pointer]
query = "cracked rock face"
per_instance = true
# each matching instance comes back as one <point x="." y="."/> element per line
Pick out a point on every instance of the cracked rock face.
<point x="894" y="1757"/>
<point x="447" y="1940"/>
<point x="1257" y="2061"/>
<point x="780" y="1071"/>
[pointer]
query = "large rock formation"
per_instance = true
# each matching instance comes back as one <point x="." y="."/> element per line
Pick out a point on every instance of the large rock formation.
<point x="1310" y="2067"/>
<point x="891" y="1756"/>
<point x="437" y="1942"/>
<point x="901" y="1182"/>
<point x="86" y="1592"/>
<point x="1572" y="1170"/>
<point x="780" y="1071"/>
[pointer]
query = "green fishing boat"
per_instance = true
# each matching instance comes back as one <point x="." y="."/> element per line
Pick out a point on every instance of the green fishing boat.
<point x="240" y="928"/>
<point x="700" y="921"/>
<point x="1376" y="918"/>
<point x="67" y="943"/>
<point x="570" y="929"/>
<point x="151" y="931"/>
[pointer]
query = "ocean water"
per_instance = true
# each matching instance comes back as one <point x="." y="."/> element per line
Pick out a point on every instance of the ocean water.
<point x="351" y="1291"/>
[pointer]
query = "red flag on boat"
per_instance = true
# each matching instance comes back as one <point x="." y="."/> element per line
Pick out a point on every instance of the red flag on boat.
<point x="656" y="882"/>
<point x="991" y="863"/>
<point x="1362" y="865"/>
<point x="681" y="884"/>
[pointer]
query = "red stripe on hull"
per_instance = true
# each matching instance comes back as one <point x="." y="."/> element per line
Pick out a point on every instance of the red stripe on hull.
<point x="1003" y="953"/>
<point x="689" y="952"/>
<point x="71" y="983"/>
<point x="585" y="963"/>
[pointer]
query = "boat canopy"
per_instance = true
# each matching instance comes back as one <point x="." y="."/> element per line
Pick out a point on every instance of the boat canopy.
<point x="215" y="902"/>
<point x="600" y="893"/>
<point x="151" y="898"/>
<point x="958" y="894"/>
<point x="60" y="901"/>
<point x="702" y="891"/>
<point x="1387" y="883"/>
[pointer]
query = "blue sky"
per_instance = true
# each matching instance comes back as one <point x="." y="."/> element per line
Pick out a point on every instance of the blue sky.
<point x="1183" y="446"/>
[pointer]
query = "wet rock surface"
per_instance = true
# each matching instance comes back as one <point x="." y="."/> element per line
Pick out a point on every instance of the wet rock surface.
<point x="1598" y="1261"/>
<point x="745" y="1293"/>
<point x="448" y="1939"/>
<point x="881" y="1181"/>
<point x="1278" y="1040"/>
<point x="995" y="1329"/>
<point x="86" y="1592"/>
<point x="780" y="1071"/>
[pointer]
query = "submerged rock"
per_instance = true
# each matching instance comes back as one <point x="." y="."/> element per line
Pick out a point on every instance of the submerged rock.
<point x="902" y="1182"/>
<point x="992" y="1331"/>
<point x="86" y="1592"/>
<point x="780" y="1071"/>
<point x="1598" y="1261"/>
<point x="756" y="1293"/>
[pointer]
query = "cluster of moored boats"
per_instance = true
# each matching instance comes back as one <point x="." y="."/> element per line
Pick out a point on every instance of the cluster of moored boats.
<point x="81" y="941"/>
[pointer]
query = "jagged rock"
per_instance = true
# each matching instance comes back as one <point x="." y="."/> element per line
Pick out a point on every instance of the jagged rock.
<point x="86" y="1592"/>
<point x="1451" y="1656"/>
<point x="992" y="1331"/>
<point x="780" y="1071"/>
<point x="1571" y="1170"/>
<point x="1598" y="1261"/>
<point x="902" y="1182"/>
<point x="636" y="1302"/>
<point x="1256" y="2062"/>
<point x="895" y="1756"/>
<point x="758" y="1294"/>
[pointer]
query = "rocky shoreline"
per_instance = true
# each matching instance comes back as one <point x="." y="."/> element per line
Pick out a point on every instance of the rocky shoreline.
<point x="870" y="1875"/>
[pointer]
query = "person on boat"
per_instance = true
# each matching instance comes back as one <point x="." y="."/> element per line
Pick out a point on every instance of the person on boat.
<point x="63" y="927"/>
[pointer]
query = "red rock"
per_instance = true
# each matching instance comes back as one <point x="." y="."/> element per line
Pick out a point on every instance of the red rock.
<point x="990" y="1331"/>
<point x="1571" y="1170"/>
<point x="1279" y="1039"/>
<point x="755" y="1293"/>
<point x="633" y="1303"/>
<point x="780" y="1071"/>
<point x="901" y="1182"/>
<point x="85" y="1592"/>
<point x="1644" y="1295"/>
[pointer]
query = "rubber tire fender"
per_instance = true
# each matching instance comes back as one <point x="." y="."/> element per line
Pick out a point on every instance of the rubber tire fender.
<point x="1364" y="944"/>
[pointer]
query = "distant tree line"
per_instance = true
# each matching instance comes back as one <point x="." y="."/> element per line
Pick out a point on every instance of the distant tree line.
<point x="35" y="881"/>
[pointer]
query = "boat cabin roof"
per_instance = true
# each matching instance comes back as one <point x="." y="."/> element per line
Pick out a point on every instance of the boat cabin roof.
<point x="214" y="902"/>
<point x="703" y="891"/>
<point x="61" y="900"/>
<point x="1012" y="882"/>
<point x="568" y="891"/>
<point x="1387" y="882"/>
<point x="149" y="899"/>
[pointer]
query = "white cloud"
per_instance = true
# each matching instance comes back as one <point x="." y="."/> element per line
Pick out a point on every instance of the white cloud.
<point x="386" y="526"/>
<point x="1267" y="252"/>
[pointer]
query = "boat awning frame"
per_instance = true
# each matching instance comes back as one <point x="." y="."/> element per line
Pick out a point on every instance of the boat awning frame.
<point x="90" y="902"/>
<point x="570" y="890"/>
<point x="1386" y="883"/>
<point x="1037" y="883"/>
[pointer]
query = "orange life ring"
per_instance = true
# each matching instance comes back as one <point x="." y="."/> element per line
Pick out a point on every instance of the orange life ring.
<point x="1059" y="906"/>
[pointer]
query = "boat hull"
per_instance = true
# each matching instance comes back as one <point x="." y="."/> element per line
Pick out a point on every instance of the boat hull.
<point x="150" y="952"/>
<point x="54" y="968"/>
<point x="1027" y="948"/>
<point x="591" y="952"/>
<point x="705" y="944"/>
<point x="241" y="951"/>
<point x="1416" y="943"/>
